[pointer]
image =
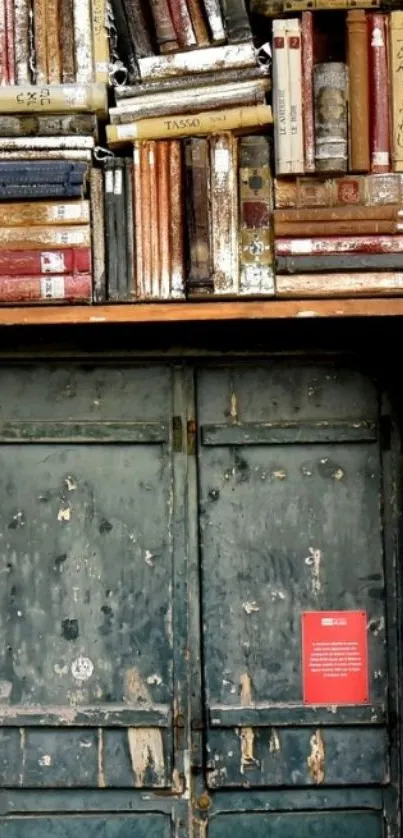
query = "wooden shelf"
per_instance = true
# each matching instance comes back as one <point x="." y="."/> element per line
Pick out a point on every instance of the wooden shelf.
<point x="201" y="311"/>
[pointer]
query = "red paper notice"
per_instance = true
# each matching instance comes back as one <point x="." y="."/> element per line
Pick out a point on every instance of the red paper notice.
<point x="335" y="657"/>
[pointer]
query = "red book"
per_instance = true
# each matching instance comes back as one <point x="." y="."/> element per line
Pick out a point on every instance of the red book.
<point x="46" y="289"/>
<point x="182" y="23"/>
<point x="379" y="99"/>
<point x="307" y="91"/>
<point x="338" y="244"/>
<point x="35" y="262"/>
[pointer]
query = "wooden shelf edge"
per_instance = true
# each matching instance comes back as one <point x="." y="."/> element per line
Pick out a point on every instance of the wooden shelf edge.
<point x="189" y="312"/>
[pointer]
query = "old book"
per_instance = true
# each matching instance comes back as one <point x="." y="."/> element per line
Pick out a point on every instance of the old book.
<point x="140" y="107"/>
<point x="163" y="187"/>
<point x="336" y="263"/>
<point x="119" y="194"/>
<point x="34" y="125"/>
<point x="166" y="35"/>
<point x="66" y="41"/>
<point x="138" y="28"/>
<point x="379" y="106"/>
<point x="45" y="143"/>
<point x="41" y="63"/>
<point x="215" y="21"/>
<point x="396" y="87"/>
<point x="307" y="91"/>
<point x="21" y="45"/>
<point x="255" y="217"/>
<point x="38" y="213"/>
<point x="110" y="237"/>
<point x="97" y="231"/>
<point x="83" y="53"/>
<point x="129" y="222"/>
<point x="293" y="30"/>
<point x="370" y="190"/>
<point x="3" y="45"/>
<point x="44" y="171"/>
<point x="190" y="82"/>
<point x="177" y="278"/>
<point x="340" y="285"/>
<point x="137" y="207"/>
<point x="198" y="23"/>
<point x="42" y="191"/>
<point x="231" y="56"/>
<point x="10" y="41"/>
<point x="40" y="238"/>
<point x="330" y="95"/>
<point x="182" y="23"/>
<point x="100" y="41"/>
<point x="198" y="202"/>
<point x="124" y="32"/>
<point x="390" y="212"/>
<point x="358" y="78"/>
<point x="146" y="219"/>
<point x="325" y="229"/>
<point x="224" y="213"/>
<point x="49" y="154"/>
<point x="339" y="245"/>
<point x="155" y="209"/>
<point x="54" y="99"/>
<point x="53" y="57"/>
<point x="48" y="289"/>
<point x="183" y="125"/>
<point x="281" y="99"/>
<point x="236" y="21"/>
<point x="73" y="260"/>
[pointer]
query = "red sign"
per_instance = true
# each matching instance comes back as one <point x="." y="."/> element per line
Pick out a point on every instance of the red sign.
<point x="335" y="657"/>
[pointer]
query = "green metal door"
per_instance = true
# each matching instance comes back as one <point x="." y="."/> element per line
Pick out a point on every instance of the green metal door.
<point x="163" y="530"/>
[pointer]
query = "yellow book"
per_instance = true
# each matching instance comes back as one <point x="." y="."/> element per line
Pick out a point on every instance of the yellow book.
<point x="187" y="125"/>
<point x="54" y="98"/>
<point x="396" y="88"/>
<point x="36" y="238"/>
<point x="100" y="41"/>
<point x="37" y="213"/>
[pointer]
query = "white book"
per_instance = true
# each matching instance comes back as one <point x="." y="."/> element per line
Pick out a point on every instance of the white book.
<point x="281" y="100"/>
<point x="294" y="54"/>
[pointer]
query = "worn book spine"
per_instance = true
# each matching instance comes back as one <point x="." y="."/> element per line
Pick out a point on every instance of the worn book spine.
<point x="336" y="263"/>
<point x="37" y="289"/>
<point x="3" y="44"/>
<point x="184" y="125"/>
<point x="369" y="190"/>
<point x="74" y="260"/>
<point x="324" y="229"/>
<point x="236" y="21"/>
<point x="138" y="28"/>
<point x="41" y="64"/>
<point x="334" y="214"/>
<point x="340" y="285"/>
<point x="53" y="56"/>
<point x="98" y="236"/>
<point x="129" y="220"/>
<point x="224" y="213"/>
<point x="43" y="191"/>
<point x="40" y="238"/>
<point x="50" y="154"/>
<point x="198" y="202"/>
<point x="123" y="42"/>
<point x="339" y="245"/>
<point x="141" y="107"/>
<point x="176" y="237"/>
<point x="307" y="91"/>
<point x="120" y="202"/>
<point x="379" y="105"/>
<point x="45" y="143"/>
<point x="211" y="59"/>
<point x="255" y="217"/>
<point x="21" y="36"/>
<point x="83" y="53"/>
<point x="330" y="95"/>
<point x="396" y="87"/>
<point x="293" y="29"/>
<point x="36" y="172"/>
<point x="163" y="211"/>
<point x="110" y="238"/>
<point x="54" y="99"/>
<point x="215" y="21"/>
<point x="39" y="213"/>
<point x="281" y="100"/>
<point x="48" y="126"/>
<point x="66" y="41"/>
<point x="190" y="82"/>
<point x="164" y="27"/>
<point x="198" y="23"/>
<point x="100" y="41"/>
<point x="10" y="40"/>
<point x="154" y="220"/>
<point x="138" y="204"/>
<point x="182" y="23"/>
<point x="146" y="219"/>
<point x="358" y="78"/>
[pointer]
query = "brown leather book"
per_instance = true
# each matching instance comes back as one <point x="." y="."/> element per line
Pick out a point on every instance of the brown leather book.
<point x="66" y="41"/>
<point x="326" y="229"/>
<point x="198" y="198"/>
<point x="53" y="56"/>
<point x="182" y="23"/>
<point x="41" y="64"/>
<point x="154" y="219"/>
<point x="138" y="220"/>
<point x="357" y="42"/>
<point x="163" y="217"/>
<point x="198" y="23"/>
<point x="367" y="190"/>
<point x="379" y="213"/>
<point x="98" y="238"/>
<point x="38" y="213"/>
<point x="164" y="27"/>
<point x="146" y="218"/>
<point x="42" y="238"/>
<point x="177" y="280"/>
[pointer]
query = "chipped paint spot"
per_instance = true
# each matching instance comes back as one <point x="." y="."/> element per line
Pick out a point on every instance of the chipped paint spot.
<point x="146" y="754"/>
<point x="101" y="771"/>
<point x="246" y="690"/>
<point x="280" y="474"/>
<point x="277" y="595"/>
<point x="378" y="674"/>
<point x="135" y="688"/>
<point x="85" y="743"/>
<point x="313" y="561"/>
<point x="70" y="483"/>
<point x="154" y="680"/>
<point x="46" y="760"/>
<point x="316" y="758"/>
<point x="61" y="669"/>
<point x="338" y="473"/>
<point x="233" y="410"/>
<point x="23" y="738"/>
<point x="376" y="625"/>
<point x="64" y="513"/>
<point x="5" y="690"/>
<point x="250" y="607"/>
<point x="274" y="742"/>
<point x="199" y="828"/>
<point x="247" y="742"/>
<point x="306" y="472"/>
<point x="148" y="558"/>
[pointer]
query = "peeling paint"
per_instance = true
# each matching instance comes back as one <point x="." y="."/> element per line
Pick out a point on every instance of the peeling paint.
<point x="316" y="758"/>
<point x="250" y="607"/>
<point x="376" y="625"/>
<point x="70" y="483"/>
<point x="64" y="513"/>
<point x="146" y="753"/>
<point x="338" y="473"/>
<point x="148" y="558"/>
<point x="101" y="771"/>
<point x="45" y="761"/>
<point x="313" y="561"/>
<point x="246" y="690"/>
<point x="199" y="828"/>
<point x="233" y="410"/>
<point x="154" y="680"/>
<point x="280" y="474"/>
<point x="247" y="737"/>
<point x="274" y="742"/>
<point x="23" y="737"/>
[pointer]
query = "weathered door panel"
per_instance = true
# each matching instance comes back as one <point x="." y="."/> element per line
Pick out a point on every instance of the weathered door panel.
<point x="291" y="488"/>
<point x="305" y="825"/>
